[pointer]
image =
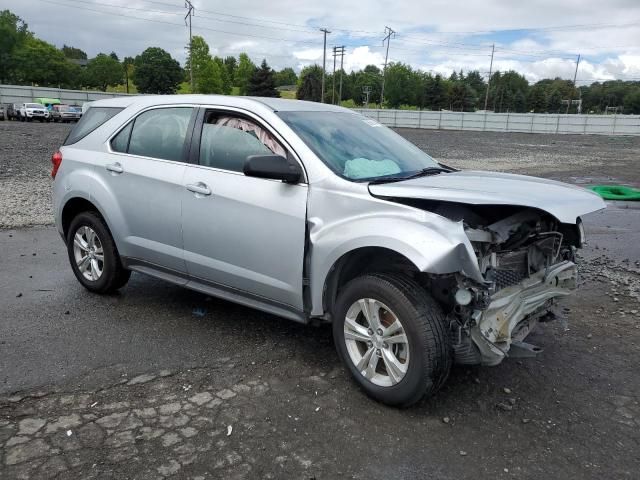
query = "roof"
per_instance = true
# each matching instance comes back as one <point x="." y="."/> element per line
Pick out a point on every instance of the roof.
<point x="274" y="104"/>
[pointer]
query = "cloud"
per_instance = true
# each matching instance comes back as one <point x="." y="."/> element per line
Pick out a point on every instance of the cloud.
<point x="440" y="35"/>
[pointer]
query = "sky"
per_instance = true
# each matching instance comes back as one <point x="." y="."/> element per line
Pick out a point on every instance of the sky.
<point x="538" y="38"/>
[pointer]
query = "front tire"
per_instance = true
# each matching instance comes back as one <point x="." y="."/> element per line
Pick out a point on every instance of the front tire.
<point x="93" y="254"/>
<point x="392" y="337"/>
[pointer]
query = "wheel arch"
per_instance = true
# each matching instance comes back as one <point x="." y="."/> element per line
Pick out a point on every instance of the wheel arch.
<point x="359" y="261"/>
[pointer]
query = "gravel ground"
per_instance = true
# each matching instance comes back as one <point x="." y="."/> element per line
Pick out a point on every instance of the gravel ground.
<point x="157" y="381"/>
<point x="25" y="169"/>
<point x="26" y="148"/>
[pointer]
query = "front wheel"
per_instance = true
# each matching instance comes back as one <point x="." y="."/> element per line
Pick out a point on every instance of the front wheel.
<point x="392" y="337"/>
<point x="93" y="254"/>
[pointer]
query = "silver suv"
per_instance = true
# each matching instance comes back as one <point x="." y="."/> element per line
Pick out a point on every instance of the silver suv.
<point x="318" y="214"/>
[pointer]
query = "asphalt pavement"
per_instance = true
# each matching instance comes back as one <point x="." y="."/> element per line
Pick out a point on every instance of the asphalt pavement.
<point x="158" y="381"/>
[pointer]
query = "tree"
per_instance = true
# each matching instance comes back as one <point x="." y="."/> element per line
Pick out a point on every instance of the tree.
<point x="41" y="63"/>
<point x="286" y="76"/>
<point x="262" y="82"/>
<point x="73" y="53"/>
<point x="243" y="73"/>
<point x="435" y="93"/>
<point x="401" y="85"/>
<point x="206" y="77"/>
<point x="103" y="71"/>
<point x="13" y="34"/>
<point x="632" y="102"/>
<point x="231" y="64"/>
<point x="156" y="72"/>
<point x="227" y="86"/>
<point x="310" y="84"/>
<point x="554" y="102"/>
<point x="461" y="96"/>
<point x="538" y="99"/>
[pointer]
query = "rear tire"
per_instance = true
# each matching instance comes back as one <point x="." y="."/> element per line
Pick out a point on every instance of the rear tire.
<point x="403" y="373"/>
<point x="93" y="254"/>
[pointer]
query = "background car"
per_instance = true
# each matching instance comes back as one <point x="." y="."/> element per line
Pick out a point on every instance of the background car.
<point x="12" y="111"/>
<point x="31" y="111"/>
<point x="65" y="113"/>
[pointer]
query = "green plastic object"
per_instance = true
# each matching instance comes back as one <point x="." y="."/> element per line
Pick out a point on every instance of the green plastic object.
<point x="617" y="192"/>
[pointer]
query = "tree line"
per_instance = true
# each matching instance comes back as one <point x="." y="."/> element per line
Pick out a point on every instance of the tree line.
<point x="27" y="60"/>
<point x="509" y="91"/>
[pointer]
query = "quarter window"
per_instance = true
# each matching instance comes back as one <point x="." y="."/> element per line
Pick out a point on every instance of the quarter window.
<point x="120" y="143"/>
<point x="158" y="133"/>
<point x="227" y="141"/>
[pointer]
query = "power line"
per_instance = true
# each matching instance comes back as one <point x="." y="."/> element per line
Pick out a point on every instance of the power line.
<point x="241" y="34"/>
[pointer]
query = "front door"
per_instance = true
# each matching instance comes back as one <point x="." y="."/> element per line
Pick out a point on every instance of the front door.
<point x="240" y="232"/>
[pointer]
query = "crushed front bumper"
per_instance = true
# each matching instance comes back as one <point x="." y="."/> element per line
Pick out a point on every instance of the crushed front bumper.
<point x="513" y="311"/>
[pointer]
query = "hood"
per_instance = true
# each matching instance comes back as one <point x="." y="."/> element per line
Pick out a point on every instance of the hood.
<point x="565" y="202"/>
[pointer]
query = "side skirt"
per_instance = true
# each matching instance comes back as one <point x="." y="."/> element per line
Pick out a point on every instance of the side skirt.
<point x="215" y="290"/>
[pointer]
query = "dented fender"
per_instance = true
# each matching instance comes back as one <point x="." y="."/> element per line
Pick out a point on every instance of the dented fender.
<point x="342" y="222"/>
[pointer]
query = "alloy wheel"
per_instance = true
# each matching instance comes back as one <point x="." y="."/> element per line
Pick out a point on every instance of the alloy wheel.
<point x="88" y="253"/>
<point x="377" y="342"/>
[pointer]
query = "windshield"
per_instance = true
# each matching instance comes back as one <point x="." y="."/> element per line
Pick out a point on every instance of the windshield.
<point x="356" y="147"/>
<point x="33" y="105"/>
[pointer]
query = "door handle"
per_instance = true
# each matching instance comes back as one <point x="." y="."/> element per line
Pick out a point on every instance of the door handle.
<point x="115" y="167"/>
<point x="199" y="188"/>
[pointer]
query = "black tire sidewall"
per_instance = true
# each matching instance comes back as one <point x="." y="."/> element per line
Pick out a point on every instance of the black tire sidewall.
<point x="416" y="381"/>
<point x="92" y="220"/>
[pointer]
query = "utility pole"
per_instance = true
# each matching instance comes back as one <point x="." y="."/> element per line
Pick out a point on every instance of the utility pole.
<point x="341" y="70"/>
<point x="387" y="39"/>
<point x="575" y="75"/>
<point x="333" y="77"/>
<point x="486" y="95"/>
<point x="324" y="63"/>
<point x="190" y="9"/>
<point x="366" y="91"/>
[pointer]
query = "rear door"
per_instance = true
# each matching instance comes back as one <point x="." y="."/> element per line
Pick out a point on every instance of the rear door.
<point x="240" y="232"/>
<point x="144" y="172"/>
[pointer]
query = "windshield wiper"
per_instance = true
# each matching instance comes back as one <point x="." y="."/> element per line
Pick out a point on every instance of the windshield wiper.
<point x="421" y="173"/>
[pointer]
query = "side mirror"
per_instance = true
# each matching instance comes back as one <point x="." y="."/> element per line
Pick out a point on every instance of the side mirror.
<point x="274" y="167"/>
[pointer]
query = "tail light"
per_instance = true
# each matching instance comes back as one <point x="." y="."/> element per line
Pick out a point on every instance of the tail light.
<point x="56" y="160"/>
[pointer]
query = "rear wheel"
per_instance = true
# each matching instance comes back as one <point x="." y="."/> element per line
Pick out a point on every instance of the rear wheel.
<point x="93" y="254"/>
<point x="392" y="337"/>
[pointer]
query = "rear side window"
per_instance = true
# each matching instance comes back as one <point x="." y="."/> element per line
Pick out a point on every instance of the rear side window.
<point x="92" y="119"/>
<point x="158" y="133"/>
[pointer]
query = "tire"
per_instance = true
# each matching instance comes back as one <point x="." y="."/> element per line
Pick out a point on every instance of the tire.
<point x="429" y="356"/>
<point x="112" y="275"/>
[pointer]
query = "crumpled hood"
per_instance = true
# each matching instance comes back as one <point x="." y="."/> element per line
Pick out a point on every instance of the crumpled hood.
<point x="563" y="201"/>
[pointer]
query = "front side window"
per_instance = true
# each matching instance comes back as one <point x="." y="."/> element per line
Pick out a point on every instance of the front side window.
<point x="158" y="133"/>
<point x="357" y="148"/>
<point x="227" y="141"/>
<point x="91" y="120"/>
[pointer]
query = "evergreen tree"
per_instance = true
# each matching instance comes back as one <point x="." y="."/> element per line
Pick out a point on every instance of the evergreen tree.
<point x="310" y="84"/>
<point x="262" y="82"/>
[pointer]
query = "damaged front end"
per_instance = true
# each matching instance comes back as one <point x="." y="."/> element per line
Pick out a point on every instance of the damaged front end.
<point x="526" y="258"/>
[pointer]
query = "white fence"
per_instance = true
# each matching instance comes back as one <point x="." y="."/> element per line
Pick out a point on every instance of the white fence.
<point x="508" y="122"/>
<point x="22" y="94"/>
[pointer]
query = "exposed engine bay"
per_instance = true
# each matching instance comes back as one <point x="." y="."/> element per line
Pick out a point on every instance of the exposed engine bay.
<point x="527" y="260"/>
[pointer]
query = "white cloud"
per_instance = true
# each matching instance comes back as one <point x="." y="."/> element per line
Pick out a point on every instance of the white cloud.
<point x="293" y="38"/>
